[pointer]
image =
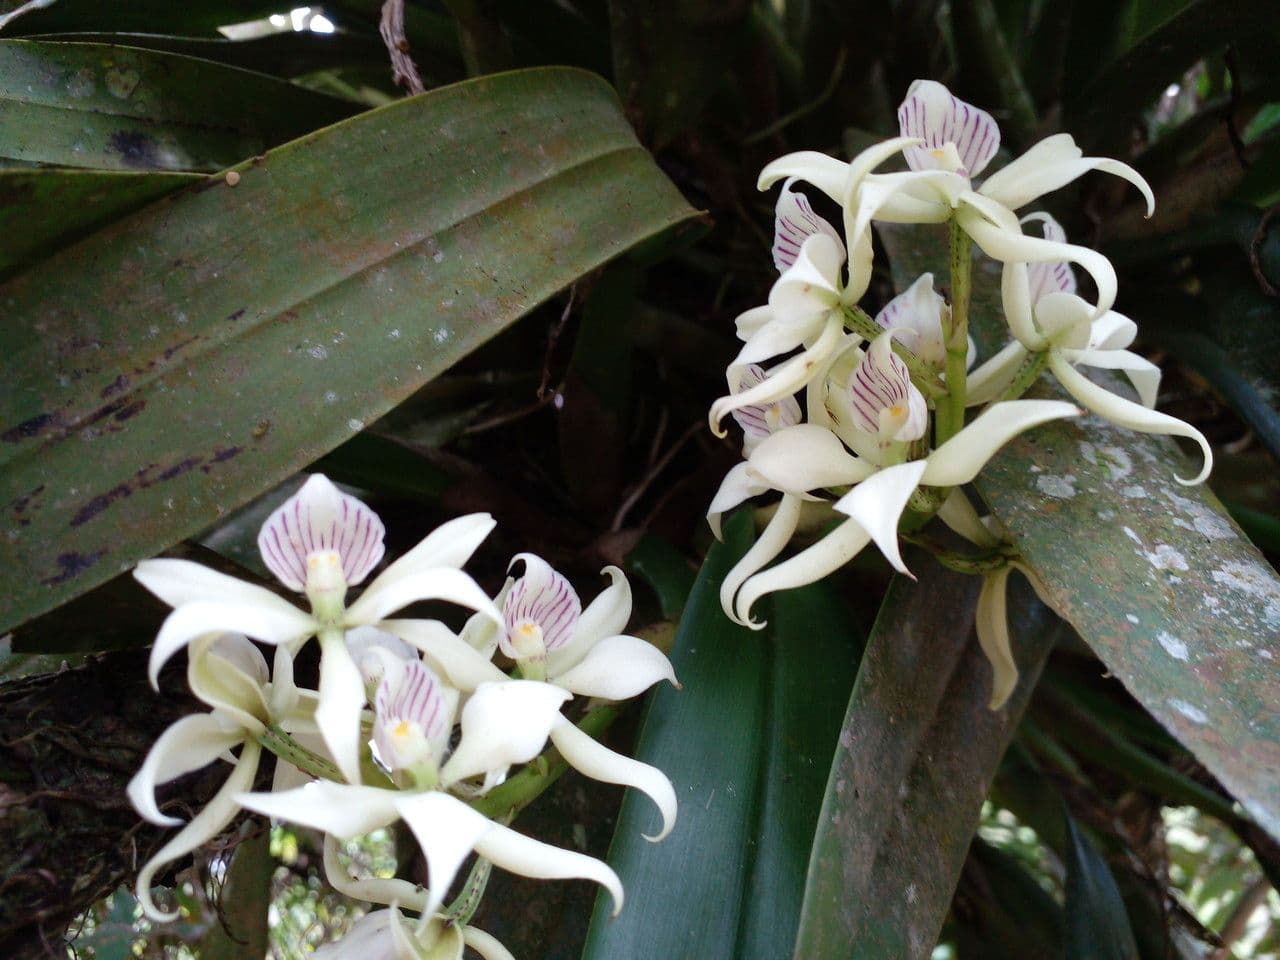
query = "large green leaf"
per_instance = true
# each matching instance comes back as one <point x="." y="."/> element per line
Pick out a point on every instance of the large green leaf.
<point x="121" y="108"/>
<point x="918" y="751"/>
<point x="1154" y="576"/>
<point x="1097" y="925"/>
<point x="41" y="210"/>
<point x="163" y="371"/>
<point x="726" y="884"/>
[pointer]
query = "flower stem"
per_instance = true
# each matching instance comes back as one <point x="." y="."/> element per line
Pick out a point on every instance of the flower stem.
<point x="956" y="333"/>
<point x="285" y="747"/>
<point x="922" y="375"/>
<point x="526" y="786"/>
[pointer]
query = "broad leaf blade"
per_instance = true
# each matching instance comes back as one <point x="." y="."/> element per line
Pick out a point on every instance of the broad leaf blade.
<point x="918" y="751"/>
<point x="1154" y="576"/>
<point x="725" y="884"/>
<point x="170" y="367"/>
<point x="121" y="108"/>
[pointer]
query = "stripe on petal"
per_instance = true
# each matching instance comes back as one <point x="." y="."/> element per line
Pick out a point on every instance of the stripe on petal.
<point x="1047" y="278"/>
<point x="413" y="717"/>
<point x="759" y="420"/>
<point x="795" y="222"/>
<point x="882" y="392"/>
<point x="918" y="312"/>
<point x="957" y="135"/>
<point x="320" y="517"/>
<point x="544" y="599"/>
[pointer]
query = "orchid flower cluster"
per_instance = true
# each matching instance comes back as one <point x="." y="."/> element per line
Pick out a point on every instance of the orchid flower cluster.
<point x="882" y="435"/>
<point x="376" y="742"/>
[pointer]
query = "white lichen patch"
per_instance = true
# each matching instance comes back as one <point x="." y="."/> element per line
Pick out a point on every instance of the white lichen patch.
<point x="1115" y="461"/>
<point x="1134" y="491"/>
<point x="1172" y="645"/>
<point x="1132" y="536"/>
<point x="1188" y="710"/>
<point x="1200" y="517"/>
<point x="1060" y="488"/>
<point x="1256" y="582"/>
<point x="1131" y="618"/>
<point x="1165" y="557"/>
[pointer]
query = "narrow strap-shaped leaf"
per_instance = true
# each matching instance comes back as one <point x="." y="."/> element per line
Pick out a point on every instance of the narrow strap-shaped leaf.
<point x="172" y="366"/>
<point x="1097" y="924"/>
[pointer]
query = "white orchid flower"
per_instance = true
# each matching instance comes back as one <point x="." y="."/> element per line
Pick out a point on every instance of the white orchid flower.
<point x="228" y="673"/>
<point x="878" y="422"/>
<point x="320" y="542"/>
<point x="804" y="307"/>
<point x="574" y="650"/>
<point x="502" y="723"/>
<point x="389" y="935"/>
<point x="946" y="143"/>
<point x="1045" y="315"/>
<point x="918" y="315"/>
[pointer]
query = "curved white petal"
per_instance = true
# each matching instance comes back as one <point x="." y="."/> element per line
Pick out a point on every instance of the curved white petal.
<point x="1046" y="278"/>
<point x="958" y="514"/>
<point x="188" y="744"/>
<point x="866" y="161"/>
<point x="739" y="484"/>
<point x="752" y="321"/>
<point x="370" y="938"/>
<point x="760" y="420"/>
<point x="449" y="545"/>
<point x="917" y="312"/>
<point x="1008" y="243"/>
<point x="342" y="697"/>
<point x="320" y="517"/>
<point x="1112" y="331"/>
<point x="373" y="889"/>
<point x="1019" y="307"/>
<point x="992" y="626"/>
<point x="462" y="665"/>
<point x="542" y="600"/>
<point x="275" y="622"/>
<point x="809" y="565"/>
<point x="204" y="826"/>
<point x="991" y="379"/>
<point x="927" y="196"/>
<point x="179" y="582"/>
<point x="616" y="668"/>
<point x="811" y="286"/>
<point x="826" y="173"/>
<point x="877" y="504"/>
<point x="605" y="616"/>
<point x="939" y="118"/>
<point x="771" y="340"/>
<point x="793" y="223"/>
<point x="961" y="458"/>
<point x="805" y="457"/>
<point x="595" y="760"/>
<point x="1126" y="413"/>
<point x="503" y="724"/>
<point x="386" y="596"/>
<point x="1052" y="163"/>
<point x="786" y="378"/>
<point x="485" y="944"/>
<point x="229" y="673"/>
<point x="882" y="397"/>
<point x="1142" y="373"/>
<point x="769" y="544"/>
<point x="344" y="810"/>
<point x="413" y="716"/>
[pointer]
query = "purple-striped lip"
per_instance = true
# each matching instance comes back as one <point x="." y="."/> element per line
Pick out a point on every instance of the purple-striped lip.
<point x="317" y="519"/>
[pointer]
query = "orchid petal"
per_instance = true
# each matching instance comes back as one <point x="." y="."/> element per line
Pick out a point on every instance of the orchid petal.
<point x="917" y="312"/>
<point x="342" y="697"/>
<point x="769" y="544"/>
<point x="877" y="504"/>
<point x="593" y="759"/>
<point x="414" y="717"/>
<point x="772" y="340"/>
<point x="1048" y="278"/>
<point x="370" y="938"/>
<point x="1128" y="414"/>
<point x="809" y="565"/>
<point x="881" y="385"/>
<point x="487" y="945"/>
<point x="229" y="673"/>
<point x="1053" y="163"/>
<point x="503" y="724"/>
<point x="794" y="222"/>
<point x="481" y="633"/>
<point x="376" y="652"/>
<point x="1019" y="307"/>
<point x="806" y="457"/>
<point x="1112" y="331"/>
<point x="991" y="379"/>
<point x="616" y="668"/>
<point x="928" y="196"/>
<point x="962" y="457"/>
<point x="786" y="378"/>
<point x="739" y="484"/>
<point x="958" y="514"/>
<point x="273" y="622"/>
<point x="344" y="810"/>
<point x="386" y="596"/>
<point x="759" y="420"/>
<point x="605" y="616"/>
<point x="1142" y="373"/>
<point x="933" y="114"/>
<point x="179" y="582"/>
<point x="320" y="517"/>
<point x="752" y="321"/>
<point x="204" y="826"/>
<point x="826" y="173"/>
<point x="992" y="627"/>
<point x="809" y="288"/>
<point x="462" y="665"/>
<point x="193" y="742"/>
<point x="372" y="889"/>
<point x="449" y="545"/>
<point x="541" y="599"/>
